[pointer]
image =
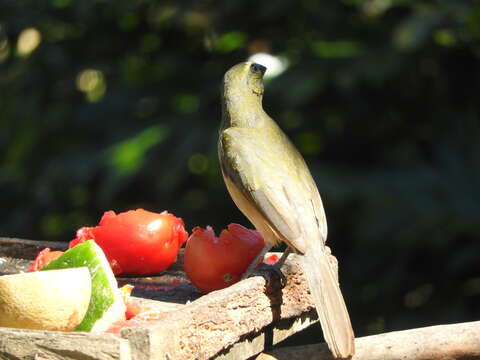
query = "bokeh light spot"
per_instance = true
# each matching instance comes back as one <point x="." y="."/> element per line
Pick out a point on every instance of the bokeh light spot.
<point x="92" y="83"/>
<point x="28" y="41"/>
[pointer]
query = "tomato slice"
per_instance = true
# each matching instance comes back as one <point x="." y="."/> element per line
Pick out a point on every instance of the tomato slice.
<point x="138" y="241"/>
<point x="270" y="260"/>
<point x="213" y="263"/>
<point x="43" y="258"/>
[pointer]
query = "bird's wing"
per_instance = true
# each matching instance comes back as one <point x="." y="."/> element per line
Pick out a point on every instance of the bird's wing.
<point x="289" y="201"/>
<point x="286" y="197"/>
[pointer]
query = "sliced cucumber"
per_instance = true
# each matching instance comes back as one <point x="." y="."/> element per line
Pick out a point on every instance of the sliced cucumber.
<point x="106" y="305"/>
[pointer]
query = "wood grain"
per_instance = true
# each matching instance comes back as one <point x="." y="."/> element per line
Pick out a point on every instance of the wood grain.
<point x="442" y="342"/>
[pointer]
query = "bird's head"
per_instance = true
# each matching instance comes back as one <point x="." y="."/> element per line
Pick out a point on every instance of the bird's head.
<point x="244" y="79"/>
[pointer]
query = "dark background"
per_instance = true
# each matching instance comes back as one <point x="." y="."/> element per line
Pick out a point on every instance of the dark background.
<point x="115" y="105"/>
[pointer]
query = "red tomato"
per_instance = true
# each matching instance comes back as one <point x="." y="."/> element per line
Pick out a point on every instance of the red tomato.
<point x="144" y="318"/>
<point x="270" y="260"/>
<point x="43" y="258"/>
<point x="83" y="234"/>
<point x="213" y="263"/>
<point x="117" y="326"/>
<point x="137" y="314"/>
<point x="137" y="241"/>
<point x="132" y="309"/>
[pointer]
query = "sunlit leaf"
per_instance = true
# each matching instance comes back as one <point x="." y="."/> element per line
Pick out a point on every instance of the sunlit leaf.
<point x="230" y="41"/>
<point x="129" y="155"/>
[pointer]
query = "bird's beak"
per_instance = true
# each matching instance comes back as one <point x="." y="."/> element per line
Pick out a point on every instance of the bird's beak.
<point x="259" y="68"/>
<point x="262" y="68"/>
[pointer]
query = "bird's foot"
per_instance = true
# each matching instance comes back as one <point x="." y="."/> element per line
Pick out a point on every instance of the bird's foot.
<point x="272" y="275"/>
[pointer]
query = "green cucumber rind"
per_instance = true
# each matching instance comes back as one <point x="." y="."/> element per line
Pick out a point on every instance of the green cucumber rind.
<point x="89" y="254"/>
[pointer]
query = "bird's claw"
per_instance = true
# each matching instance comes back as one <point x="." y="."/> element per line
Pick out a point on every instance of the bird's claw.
<point x="272" y="275"/>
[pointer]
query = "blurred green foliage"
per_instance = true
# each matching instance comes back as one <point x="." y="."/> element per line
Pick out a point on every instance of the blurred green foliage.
<point x="115" y="105"/>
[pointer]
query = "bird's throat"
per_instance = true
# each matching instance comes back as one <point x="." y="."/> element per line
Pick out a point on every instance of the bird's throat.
<point x="242" y="110"/>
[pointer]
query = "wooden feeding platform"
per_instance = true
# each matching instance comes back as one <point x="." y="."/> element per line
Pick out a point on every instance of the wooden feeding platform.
<point x="234" y="323"/>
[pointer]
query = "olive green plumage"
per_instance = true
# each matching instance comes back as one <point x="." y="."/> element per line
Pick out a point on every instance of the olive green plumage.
<point x="270" y="183"/>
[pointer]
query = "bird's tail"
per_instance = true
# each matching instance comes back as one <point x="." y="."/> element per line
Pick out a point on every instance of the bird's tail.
<point x="329" y="302"/>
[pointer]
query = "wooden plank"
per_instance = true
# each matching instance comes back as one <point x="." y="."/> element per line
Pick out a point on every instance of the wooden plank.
<point x="211" y="325"/>
<point x="16" y="254"/>
<point x="267" y="337"/>
<point x="26" y="249"/>
<point x="53" y="345"/>
<point x="162" y="306"/>
<point x="446" y="342"/>
<point x="170" y="286"/>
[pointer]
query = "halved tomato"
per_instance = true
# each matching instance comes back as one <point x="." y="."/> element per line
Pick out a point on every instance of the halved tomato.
<point x="137" y="241"/>
<point x="213" y="263"/>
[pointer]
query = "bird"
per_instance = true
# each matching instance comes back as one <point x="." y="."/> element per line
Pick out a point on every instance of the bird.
<point x="270" y="183"/>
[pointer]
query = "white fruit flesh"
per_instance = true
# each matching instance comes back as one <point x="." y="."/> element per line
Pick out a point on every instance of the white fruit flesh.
<point x="45" y="300"/>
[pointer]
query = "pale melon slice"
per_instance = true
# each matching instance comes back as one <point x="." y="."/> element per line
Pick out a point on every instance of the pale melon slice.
<point x="49" y="300"/>
<point x="106" y="303"/>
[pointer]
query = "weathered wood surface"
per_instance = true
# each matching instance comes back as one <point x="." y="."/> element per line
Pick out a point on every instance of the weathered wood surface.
<point x="443" y="342"/>
<point x="267" y="337"/>
<point x="26" y="249"/>
<point x="16" y="254"/>
<point x="171" y="286"/>
<point x="212" y="324"/>
<point x="52" y="345"/>
<point x="233" y="323"/>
